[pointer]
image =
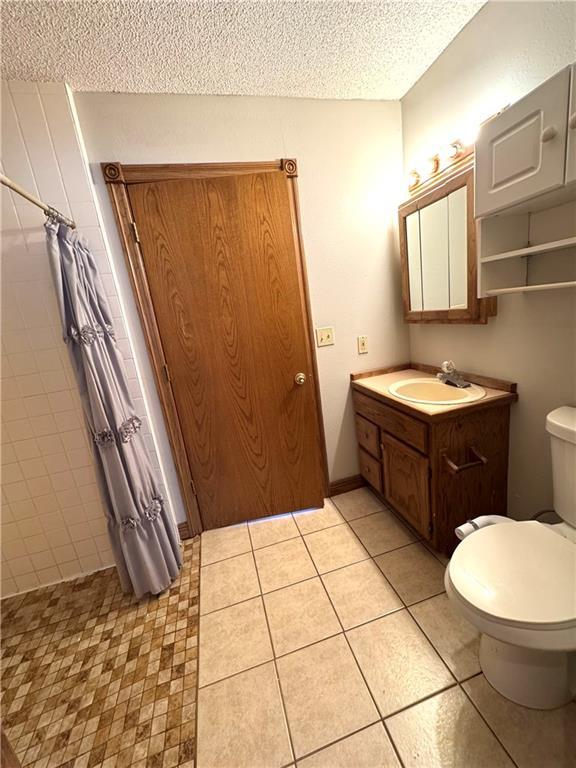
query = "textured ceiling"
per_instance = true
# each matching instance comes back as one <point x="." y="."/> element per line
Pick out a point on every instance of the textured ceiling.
<point x="319" y="49"/>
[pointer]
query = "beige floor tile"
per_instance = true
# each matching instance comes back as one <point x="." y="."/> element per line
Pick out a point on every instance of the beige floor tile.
<point x="370" y="748"/>
<point x="271" y="530"/>
<point x="241" y="722"/>
<point x="324" y="693"/>
<point x="335" y="547"/>
<point x="283" y="564"/>
<point x="220" y="543"/>
<point x="455" y="639"/>
<point x="300" y="615"/>
<point x="413" y="572"/>
<point x="381" y="532"/>
<point x="228" y="582"/>
<point x="446" y="732"/>
<point x="398" y="662"/>
<point x="358" y="503"/>
<point x="444" y="559"/>
<point x="534" y="738"/>
<point x="310" y="520"/>
<point x="360" y="593"/>
<point x="232" y="640"/>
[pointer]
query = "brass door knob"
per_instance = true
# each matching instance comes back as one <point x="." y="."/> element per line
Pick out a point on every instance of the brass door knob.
<point x="300" y="379"/>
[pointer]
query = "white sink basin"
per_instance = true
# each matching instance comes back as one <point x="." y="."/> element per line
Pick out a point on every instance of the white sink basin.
<point x="434" y="392"/>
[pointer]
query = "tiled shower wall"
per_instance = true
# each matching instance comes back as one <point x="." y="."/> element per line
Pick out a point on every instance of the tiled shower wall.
<point x="53" y="523"/>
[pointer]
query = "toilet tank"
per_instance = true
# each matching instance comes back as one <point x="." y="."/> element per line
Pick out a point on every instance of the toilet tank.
<point x="561" y="424"/>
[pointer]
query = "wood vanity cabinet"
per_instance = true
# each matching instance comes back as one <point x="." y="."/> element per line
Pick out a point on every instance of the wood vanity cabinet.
<point x="436" y="471"/>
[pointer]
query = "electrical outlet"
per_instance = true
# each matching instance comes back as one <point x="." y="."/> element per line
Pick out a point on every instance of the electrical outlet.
<point x="324" y="336"/>
<point x="362" y="345"/>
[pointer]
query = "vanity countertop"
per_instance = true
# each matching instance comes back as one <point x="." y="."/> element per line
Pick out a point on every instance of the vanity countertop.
<point x="376" y="383"/>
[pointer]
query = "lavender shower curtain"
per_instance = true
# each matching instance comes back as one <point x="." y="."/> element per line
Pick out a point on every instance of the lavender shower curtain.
<point x="143" y="533"/>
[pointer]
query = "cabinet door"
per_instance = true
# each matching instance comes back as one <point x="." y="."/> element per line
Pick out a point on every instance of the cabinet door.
<point x="414" y="260"/>
<point x="571" y="143"/>
<point x="406" y="483"/>
<point x="521" y="152"/>
<point x="434" y="250"/>
<point x="458" y="249"/>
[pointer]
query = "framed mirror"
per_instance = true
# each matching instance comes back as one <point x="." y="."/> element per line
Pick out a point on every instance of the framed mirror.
<point x="438" y="254"/>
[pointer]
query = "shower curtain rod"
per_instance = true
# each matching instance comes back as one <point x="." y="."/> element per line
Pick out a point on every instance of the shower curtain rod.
<point x="48" y="210"/>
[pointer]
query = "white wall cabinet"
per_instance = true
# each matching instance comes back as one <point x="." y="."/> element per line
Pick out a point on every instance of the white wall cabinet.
<point x="571" y="139"/>
<point x="526" y="192"/>
<point x="521" y="153"/>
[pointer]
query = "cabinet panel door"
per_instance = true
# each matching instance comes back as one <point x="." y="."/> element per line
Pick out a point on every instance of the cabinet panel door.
<point x="414" y="260"/>
<point x="406" y="483"/>
<point x="571" y="144"/>
<point x="521" y="152"/>
<point x="458" y="249"/>
<point x="434" y="250"/>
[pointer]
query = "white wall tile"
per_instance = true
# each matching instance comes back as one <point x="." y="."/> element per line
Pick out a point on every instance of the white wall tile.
<point x="53" y="524"/>
<point x="14" y="156"/>
<point x="39" y="146"/>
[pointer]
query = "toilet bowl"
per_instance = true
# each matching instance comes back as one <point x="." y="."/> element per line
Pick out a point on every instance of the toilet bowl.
<point x="517" y="584"/>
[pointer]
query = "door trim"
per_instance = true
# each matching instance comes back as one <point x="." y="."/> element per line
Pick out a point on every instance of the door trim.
<point x="117" y="178"/>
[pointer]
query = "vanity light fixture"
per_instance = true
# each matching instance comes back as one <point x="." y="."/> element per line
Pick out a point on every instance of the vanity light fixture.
<point x="450" y="154"/>
<point x="413" y="179"/>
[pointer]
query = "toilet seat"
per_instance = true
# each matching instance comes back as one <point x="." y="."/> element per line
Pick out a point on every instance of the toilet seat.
<point x="517" y="583"/>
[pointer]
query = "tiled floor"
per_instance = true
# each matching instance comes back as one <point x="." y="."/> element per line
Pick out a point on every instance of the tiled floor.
<point x="93" y="679"/>
<point x="327" y="641"/>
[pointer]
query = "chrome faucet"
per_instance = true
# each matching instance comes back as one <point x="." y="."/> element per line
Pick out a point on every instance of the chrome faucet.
<point x="450" y="375"/>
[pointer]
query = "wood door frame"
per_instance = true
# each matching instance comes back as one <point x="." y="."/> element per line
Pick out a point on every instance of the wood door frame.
<point x="478" y="310"/>
<point x="117" y="178"/>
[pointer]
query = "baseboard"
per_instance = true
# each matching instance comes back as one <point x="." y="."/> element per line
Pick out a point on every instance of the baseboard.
<point x="346" y="484"/>
<point x="184" y="531"/>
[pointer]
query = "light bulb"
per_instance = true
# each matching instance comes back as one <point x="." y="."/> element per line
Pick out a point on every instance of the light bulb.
<point x="413" y="179"/>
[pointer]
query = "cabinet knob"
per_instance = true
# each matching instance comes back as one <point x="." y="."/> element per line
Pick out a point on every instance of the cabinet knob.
<point x="572" y="121"/>
<point x="549" y="133"/>
<point x="300" y="379"/>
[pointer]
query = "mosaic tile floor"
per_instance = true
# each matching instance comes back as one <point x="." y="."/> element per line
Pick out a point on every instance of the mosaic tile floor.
<point x="93" y="678"/>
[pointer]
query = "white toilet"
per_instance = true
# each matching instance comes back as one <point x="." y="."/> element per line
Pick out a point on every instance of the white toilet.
<point x="517" y="584"/>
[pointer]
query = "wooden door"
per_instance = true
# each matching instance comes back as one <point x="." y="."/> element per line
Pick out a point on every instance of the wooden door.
<point x="520" y="153"/>
<point x="225" y="275"/>
<point x="406" y="482"/>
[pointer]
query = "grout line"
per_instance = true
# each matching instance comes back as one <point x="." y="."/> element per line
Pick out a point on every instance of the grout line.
<point x="197" y="708"/>
<point x="358" y="665"/>
<point x="459" y="685"/>
<point x="443" y="689"/>
<point x="341" y="738"/>
<point x="404" y="606"/>
<point x="324" y="573"/>
<point x="493" y="732"/>
<point x="278" y="681"/>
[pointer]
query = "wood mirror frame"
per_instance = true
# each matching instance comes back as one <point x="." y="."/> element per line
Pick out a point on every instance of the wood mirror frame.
<point x="478" y="310"/>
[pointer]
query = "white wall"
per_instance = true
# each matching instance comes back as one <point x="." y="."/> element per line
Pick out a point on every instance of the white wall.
<point x="504" y="52"/>
<point x="349" y="160"/>
<point x="53" y="521"/>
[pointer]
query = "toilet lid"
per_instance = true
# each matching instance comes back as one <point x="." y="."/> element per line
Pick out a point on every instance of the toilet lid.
<point x="521" y="573"/>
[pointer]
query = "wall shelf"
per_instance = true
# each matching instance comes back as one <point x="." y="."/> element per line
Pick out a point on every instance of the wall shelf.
<point x="509" y="266"/>
<point x="531" y="250"/>
<point x="531" y="288"/>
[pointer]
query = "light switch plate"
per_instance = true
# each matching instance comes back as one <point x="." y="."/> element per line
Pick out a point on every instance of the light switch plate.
<point x="362" y="345"/>
<point x="324" y="336"/>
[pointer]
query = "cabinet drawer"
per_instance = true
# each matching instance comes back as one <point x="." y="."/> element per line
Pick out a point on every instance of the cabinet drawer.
<point x="399" y="424"/>
<point x="368" y="436"/>
<point x="370" y="469"/>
